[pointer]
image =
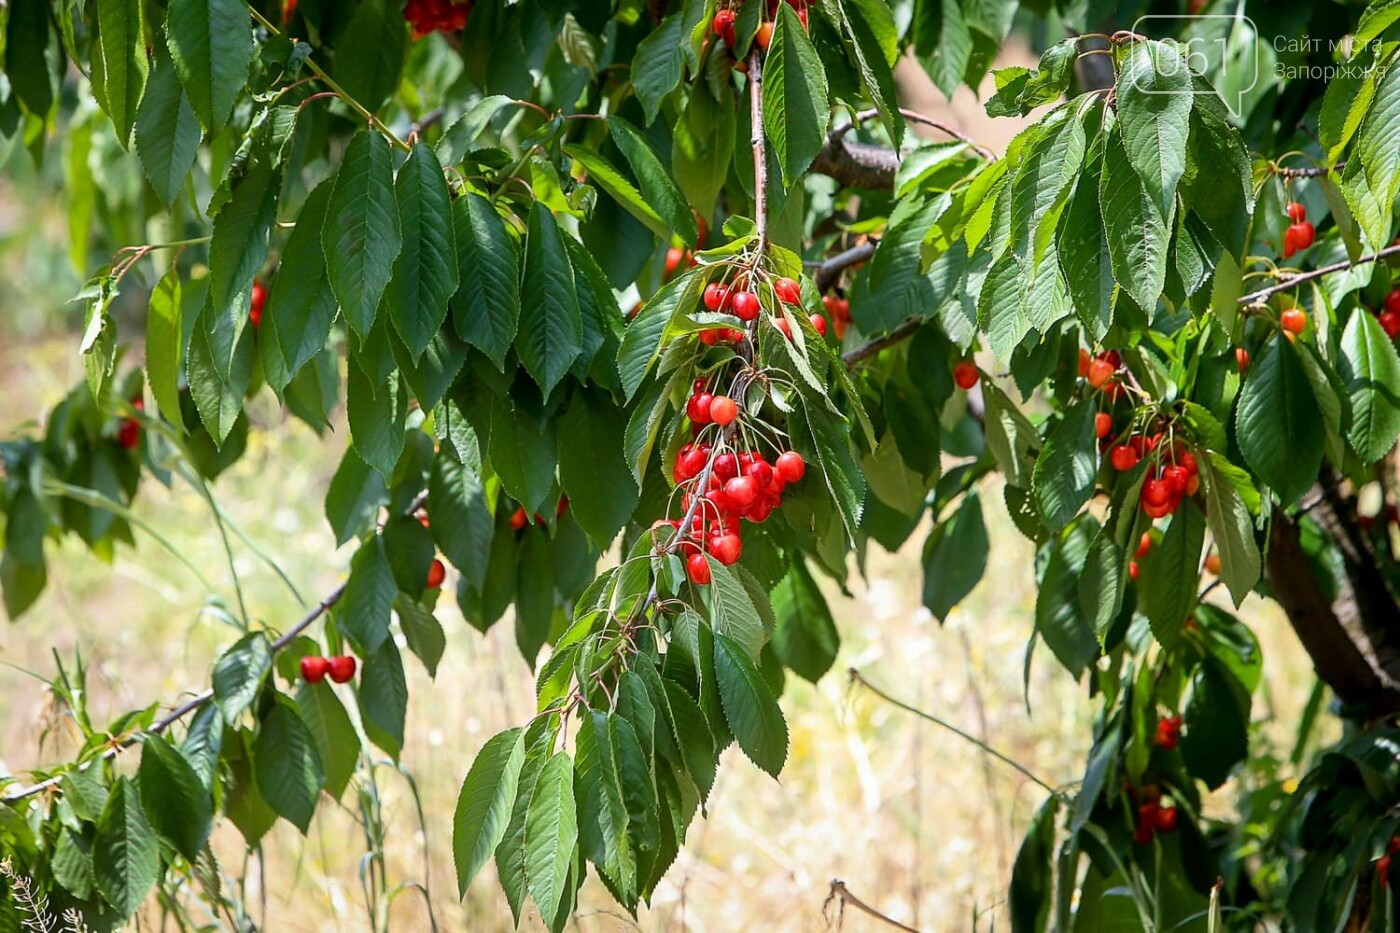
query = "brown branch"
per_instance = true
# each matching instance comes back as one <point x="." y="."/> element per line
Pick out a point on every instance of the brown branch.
<point x="199" y="699"/>
<point x="828" y="271"/>
<point x="760" y="154"/>
<point x="902" y="332"/>
<point x="857" y="165"/>
<point x="1316" y="172"/>
<point x="1283" y="285"/>
<point x="913" y="116"/>
<point x="843" y="896"/>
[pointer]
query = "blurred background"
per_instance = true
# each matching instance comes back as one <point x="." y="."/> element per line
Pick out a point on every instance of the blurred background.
<point x="918" y="822"/>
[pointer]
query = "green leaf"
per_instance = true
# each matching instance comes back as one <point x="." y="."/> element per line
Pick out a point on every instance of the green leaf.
<point x="337" y="745"/>
<point x="955" y="557"/>
<point x="1231" y="526"/>
<point x="732" y="611"/>
<point x="203" y="743"/>
<point x="1137" y="235"/>
<point x="551" y="327"/>
<point x="239" y="672"/>
<point x="361" y="237"/>
<point x="485" y="803"/>
<point x="1084" y="257"/>
<point x="942" y="42"/>
<point x="369" y="597"/>
<point x="125" y="853"/>
<point x="607" y="176"/>
<point x="1041" y="186"/>
<point x="795" y="107"/>
<point x="702" y="146"/>
<point x="805" y="639"/>
<point x="1345" y="103"/>
<point x="1216" y="718"/>
<point x="1063" y="478"/>
<point x="383" y="698"/>
<point x="657" y="187"/>
<point x="1032" y="875"/>
<point x="534" y="599"/>
<point x="369" y="54"/>
<point x="523" y="453"/>
<point x="1277" y="421"/>
<point x="211" y="44"/>
<point x="1371" y="370"/>
<point x="410" y="550"/>
<point x="461" y="521"/>
<point x="1059" y="617"/>
<point x="873" y="34"/>
<point x="659" y="63"/>
<point x="1101" y="583"/>
<point x="843" y="477"/>
<point x="164" y="349"/>
<point x="119" y="74"/>
<point x="604" y="835"/>
<point x="422" y="631"/>
<point x="1002" y="307"/>
<point x="287" y="765"/>
<point x="551" y="833"/>
<point x="1378" y="141"/>
<point x="300" y="305"/>
<point x="1169" y="572"/>
<point x="425" y="273"/>
<point x="354" y="498"/>
<point x="749" y="707"/>
<point x="167" y="130"/>
<point x="641" y="342"/>
<point x="378" y="417"/>
<point x="173" y="797"/>
<point x="242" y="233"/>
<point x="1154" y="114"/>
<point x="592" y="467"/>
<point x="895" y="288"/>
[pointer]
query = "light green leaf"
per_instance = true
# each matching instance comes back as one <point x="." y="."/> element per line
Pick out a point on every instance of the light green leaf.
<point x="121" y="78"/>
<point x="1154" y="114"/>
<point x="1231" y="526"/>
<point x="551" y="833"/>
<point x="749" y="707"/>
<point x="484" y="804"/>
<point x="795" y="107"/>
<point x="1371" y="370"/>
<point x="164" y="350"/>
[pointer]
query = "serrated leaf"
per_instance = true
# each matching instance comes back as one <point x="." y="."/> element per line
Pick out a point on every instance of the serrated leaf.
<point x="300" y="305"/>
<point x="955" y="557"/>
<point x="1168" y="573"/>
<point x="1101" y="583"/>
<point x="1082" y="250"/>
<point x="287" y="765"/>
<point x="1277" y="422"/>
<point x="657" y="187"/>
<point x="486" y="308"/>
<point x="1063" y="478"/>
<point x="795" y="106"/>
<point x="551" y="328"/>
<point x="361" y="237"/>
<point x="1231" y="526"/>
<point x="659" y="63"/>
<point x="126" y="856"/>
<point x="164" y="345"/>
<point x="370" y="52"/>
<point x="120" y="77"/>
<point x="461" y="521"/>
<point x="1154" y="113"/>
<point x="356" y="493"/>
<point x="1371" y="370"/>
<point x="239" y="672"/>
<point x="364" y="612"/>
<point x="176" y="802"/>
<point x="211" y="44"/>
<point x="1216" y="717"/>
<point x="1137" y="235"/>
<point x="167" y="131"/>
<point x="551" y="832"/>
<point x="523" y="453"/>
<point x="641" y="342"/>
<point x="1059" y="617"/>
<point x="329" y="724"/>
<point x="749" y="706"/>
<point x="592" y="468"/>
<point x="484" y="804"/>
<point x="805" y="639"/>
<point x="425" y="272"/>
<point x="383" y="698"/>
<point x="378" y="416"/>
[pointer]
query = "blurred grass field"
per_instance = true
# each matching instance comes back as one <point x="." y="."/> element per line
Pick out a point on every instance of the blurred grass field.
<point x="918" y="822"/>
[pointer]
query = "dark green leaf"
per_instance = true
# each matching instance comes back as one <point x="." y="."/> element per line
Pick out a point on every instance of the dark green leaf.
<point x="167" y="130"/>
<point x="1168" y="574"/>
<point x="425" y="273"/>
<point x="955" y="557"/>
<point x="369" y="597"/>
<point x="461" y="520"/>
<point x="287" y="764"/>
<point x="126" y="855"/>
<point x="1371" y="370"/>
<point x="592" y="468"/>
<point x="383" y="697"/>
<point x="175" y="800"/>
<point x="361" y="237"/>
<point x="1063" y="478"/>
<point x="806" y="640"/>
<point x="551" y="329"/>
<point x="657" y="187"/>
<point x="354" y="498"/>
<point x="551" y="833"/>
<point x="301" y="305"/>
<point x="749" y="707"/>
<point x="485" y="803"/>
<point x="337" y="745"/>
<point x="486" y="308"/>
<point x="211" y="44"/>
<point x="239" y="672"/>
<point x="795" y="106"/>
<point x="1277" y="421"/>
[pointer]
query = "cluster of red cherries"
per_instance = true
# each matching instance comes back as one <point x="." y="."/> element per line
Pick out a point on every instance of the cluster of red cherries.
<point x="426" y="16"/>
<point x="724" y="22"/>
<point x="840" y="311"/>
<point x="1152" y="816"/>
<point x="1168" y="732"/>
<point x="738" y="485"/>
<point x="340" y="668"/>
<point x="1389" y="314"/>
<point x="738" y="300"/>
<point x="1300" y="233"/>
<point x="1383" y="863"/>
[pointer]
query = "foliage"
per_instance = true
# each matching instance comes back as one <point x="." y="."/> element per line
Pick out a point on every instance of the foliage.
<point x="461" y="210"/>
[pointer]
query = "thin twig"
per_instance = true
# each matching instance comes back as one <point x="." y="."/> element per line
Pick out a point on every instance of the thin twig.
<point x="913" y="116"/>
<point x="842" y="894"/>
<point x="1283" y="285"/>
<point x="827" y="272"/>
<point x="1315" y="172"/>
<point x="200" y="699"/>
<point x="901" y="332"/>
<point x="760" y="154"/>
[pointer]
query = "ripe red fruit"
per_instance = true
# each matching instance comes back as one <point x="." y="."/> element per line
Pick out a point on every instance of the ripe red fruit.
<point x="723" y="410"/>
<point x="517" y="519"/>
<point x="761" y="472"/>
<point x="690" y="460"/>
<point x="714" y="296"/>
<point x="698" y="569"/>
<point x="1294" y="320"/>
<point x="1100" y="372"/>
<point x="1156" y="493"/>
<point x="1383" y="870"/>
<point x="1305" y="235"/>
<point x="726" y="467"/>
<point x="1188" y="460"/>
<point x="698" y="408"/>
<point x="129" y="434"/>
<point x="787" y="290"/>
<point x="1213" y="563"/>
<point x="1103" y="424"/>
<point x="782" y="325"/>
<point x="764" y="36"/>
<point x="1144" y="544"/>
<point x="818" y="324"/>
<point x="726" y="548"/>
<point x="1168" y="732"/>
<point x="965" y="374"/>
<point x="259" y="299"/>
<point x="741" y="491"/>
<point x="746" y="306"/>
<point x="1176" y="479"/>
<point x="313" y="668"/>
<point x="1297" y="212"/>
<point x="1084" y="360"/>
<point x="1393" y="846"/>
<point x="1241" y="359"/>
<point x="723" y="21"/>
<point x="436" y="573"/>
<point x="1390" y="323"/>
<point x="1290" y="242"/>
<point x="1133" y="569"/>
<point x="1123" y="458"/>
<point x="1147" y="823"/>
<point x="1166" y="820"/>
<point x="342" y="668"/>
<point x="1392" y="300"/>
<point x="790" y="467"/>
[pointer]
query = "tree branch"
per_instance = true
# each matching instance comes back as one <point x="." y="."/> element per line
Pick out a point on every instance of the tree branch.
<point x="760" y="154"/>
<point x="199" y="699"/>
<point x="857" y="165"/>
<point x="828" y="271"/>
<point x="843" y="896"/>
<point x="1284" y="284"/>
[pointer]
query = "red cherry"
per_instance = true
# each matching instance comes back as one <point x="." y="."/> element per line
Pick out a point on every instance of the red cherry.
<point x="1100" y="372"/>
<point x="1144" y="544"/>
<point x="259" y="299"/>
<point x="129" y="434"/>
<point x="723" y="21"/>
<point x="723" y="410"/>
<point x="1168" y="732"/>
<point x="741" y="491"/>
<point x="674" y="257"/>
<point x="1241" y="359"/>
<point x="313" y="668"/>
<point x="1294" y="320"/>
<point x="1383" y="870"/>
<point x="787" y="290"/>
<point x="342" y="668"/>
<point x="1307" y="233"/>
<point x="1392" y="300"/>
<point x="1213" y="563"/>
<point x="1103" y="424"/>
<point x="726" y="467"/>
<point x="1297" y="212"/>
<point x="818" y="324"/>
<point x="1133" y="569"/>
<point x="782" y="325"/>
<point x="1123" y="458"/>
<point x="436" y="573"/>
<point x="1166" y="820"/>
<point x="746" y="306"/>
<point x="761" y="472"/>
<point x="690" y="460"/>
<point x="1188" y="460"/>
<point x="518" y="519"/>
<point x="1156" y="493"/>
<point x="1147" y="822"/>
<point x="698" y="408"/>
<point x="726" y="548"/>
<point x="1084" y="360"/>
<point x="1158" y="511"/>
<point x="764" y="36"/>
<point x="1290" y="242"/>
<point x="1176" y="478"/>
<point x="1390" y="323"/>
<point x="1393" y="846"/>
<point x="966" y="374"/>
<point x="698" y="569"/>
<point x="714" y="295"/>
<point x="790" y="467"/>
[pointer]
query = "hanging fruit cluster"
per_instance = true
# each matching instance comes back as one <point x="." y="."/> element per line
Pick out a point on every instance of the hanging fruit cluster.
<point x="427" y="16"/>
<point x="1388" y="316"/>
<point x="1153" y="816"/>
<point x="1300" y="233"/>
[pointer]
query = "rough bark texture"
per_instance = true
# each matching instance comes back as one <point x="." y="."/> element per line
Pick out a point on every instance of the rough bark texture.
<point x="857" y="165"/>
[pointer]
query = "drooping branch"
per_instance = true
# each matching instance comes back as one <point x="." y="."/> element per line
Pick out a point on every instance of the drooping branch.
<point x="842" y="895"/>
<point x="857" y="165"/>
<point x="200" y="699"/>
<point x="1291" y="281"/>
<point x="829" y="270"/>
